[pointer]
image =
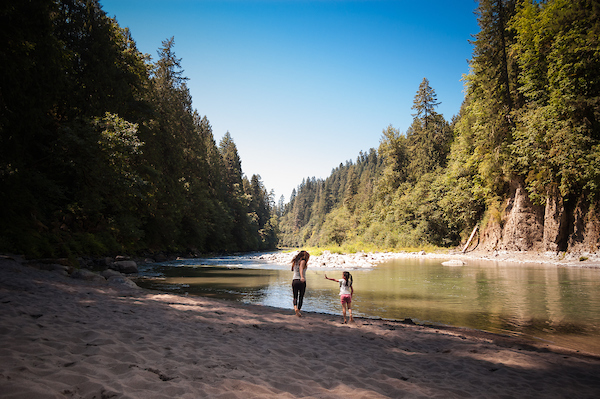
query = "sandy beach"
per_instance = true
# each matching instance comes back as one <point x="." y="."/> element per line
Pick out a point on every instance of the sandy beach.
<point x="62" y="337"/>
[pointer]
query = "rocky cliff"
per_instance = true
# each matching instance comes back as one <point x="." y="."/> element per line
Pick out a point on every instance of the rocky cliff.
<point x="572" y="226"/>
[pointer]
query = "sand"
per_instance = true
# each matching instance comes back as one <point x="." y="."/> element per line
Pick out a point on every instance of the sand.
<point x="67" y="338"/>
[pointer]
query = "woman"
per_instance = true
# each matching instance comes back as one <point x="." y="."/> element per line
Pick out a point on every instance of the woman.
<point x="299" y="265"/>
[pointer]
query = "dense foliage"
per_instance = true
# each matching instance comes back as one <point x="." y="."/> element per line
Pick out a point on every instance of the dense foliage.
<point x="100" y="149"/>
<point x="531" y="114"/>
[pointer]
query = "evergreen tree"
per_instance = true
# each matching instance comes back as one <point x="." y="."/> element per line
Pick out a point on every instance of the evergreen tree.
<point x="429" y="136"/>
<point x="492" y="93"/>
<point x="280" y="206"/>
<point x="425" y="102"/>
<point x="392" y="149"/>
<point x="173" y="124"/>
<point x="234" y="188"/>
<point x="232" y="165"/>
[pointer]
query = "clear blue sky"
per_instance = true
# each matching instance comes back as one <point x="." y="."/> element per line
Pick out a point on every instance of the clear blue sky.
<point x="303" y="86"/>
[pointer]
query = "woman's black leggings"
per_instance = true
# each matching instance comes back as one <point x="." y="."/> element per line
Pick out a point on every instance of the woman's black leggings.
<point x="299" y="288"/>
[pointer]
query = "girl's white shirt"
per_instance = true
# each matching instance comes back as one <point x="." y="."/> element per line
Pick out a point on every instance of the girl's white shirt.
<point x="344" y="289"/>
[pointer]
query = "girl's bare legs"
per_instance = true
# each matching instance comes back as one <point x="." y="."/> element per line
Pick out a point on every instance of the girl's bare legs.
<point x="350" y="312"/>
<point x="344" y="311"/>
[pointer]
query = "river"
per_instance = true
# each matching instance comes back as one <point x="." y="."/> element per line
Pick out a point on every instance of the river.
<point x="553" y="304"/>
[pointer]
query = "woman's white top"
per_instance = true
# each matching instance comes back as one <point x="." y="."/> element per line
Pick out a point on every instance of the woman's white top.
<point x="296" y="271"/>
<point x="344" y="289"/>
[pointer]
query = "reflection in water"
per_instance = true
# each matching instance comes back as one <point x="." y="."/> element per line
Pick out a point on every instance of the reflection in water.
<point x="557" y="304"/>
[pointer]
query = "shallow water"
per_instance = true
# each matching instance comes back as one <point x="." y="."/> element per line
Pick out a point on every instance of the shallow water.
<point x="559" y="305"/>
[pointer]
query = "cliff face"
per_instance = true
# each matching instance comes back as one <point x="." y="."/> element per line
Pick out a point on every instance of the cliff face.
<point x="584" y="234"/>
<point x="551" y="228"/>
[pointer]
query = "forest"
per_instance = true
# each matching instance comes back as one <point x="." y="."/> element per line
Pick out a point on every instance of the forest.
<point x="521" y="160"/>
<point x="101" y="151"/>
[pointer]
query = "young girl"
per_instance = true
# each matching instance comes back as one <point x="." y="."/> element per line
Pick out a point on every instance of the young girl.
<point x="346" y="292"/>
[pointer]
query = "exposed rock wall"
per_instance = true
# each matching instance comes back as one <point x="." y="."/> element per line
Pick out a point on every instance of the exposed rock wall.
<point x="585" y="229"/>
<point x="550" y="228"/>
<point x="524" y="225"/>
<point x="491" y="236"/>
<point x="555" y="223"/>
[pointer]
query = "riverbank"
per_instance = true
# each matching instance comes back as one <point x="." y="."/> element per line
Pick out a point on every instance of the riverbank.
<point x="63" y="337"/>
<point x="452" y="257"/>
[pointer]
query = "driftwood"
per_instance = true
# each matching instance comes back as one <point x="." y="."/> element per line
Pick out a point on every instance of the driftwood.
<point x="470" y="239"/>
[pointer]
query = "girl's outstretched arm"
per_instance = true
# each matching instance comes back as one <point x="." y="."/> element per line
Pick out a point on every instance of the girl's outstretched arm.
<point x="332" y="279"/>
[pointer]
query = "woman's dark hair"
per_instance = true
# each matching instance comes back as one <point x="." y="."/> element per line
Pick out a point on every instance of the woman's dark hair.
<point x="348" y="278"/>
<point x="299" y="256"/>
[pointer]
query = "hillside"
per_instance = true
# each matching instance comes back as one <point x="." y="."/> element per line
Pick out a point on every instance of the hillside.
<point x="520" y="161"/>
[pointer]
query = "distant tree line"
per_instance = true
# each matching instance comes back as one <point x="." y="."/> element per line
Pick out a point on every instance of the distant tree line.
<point x="101" y="151"/>
<point x="531" y="117"/>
